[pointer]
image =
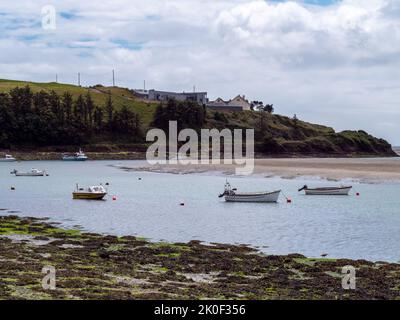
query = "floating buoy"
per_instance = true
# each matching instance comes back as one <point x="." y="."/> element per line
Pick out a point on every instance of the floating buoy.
<point x="182" y="204"/>
<point x="12" y="188"/>
<point x="357" y="194"/>
<point x="114" y="198"/>
<point x="107" y="184"/>
<point x="288" y="200"/>
<point x="140" y="179"/>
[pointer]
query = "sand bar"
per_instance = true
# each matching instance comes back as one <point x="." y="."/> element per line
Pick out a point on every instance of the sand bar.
<point x="363" y="169"/>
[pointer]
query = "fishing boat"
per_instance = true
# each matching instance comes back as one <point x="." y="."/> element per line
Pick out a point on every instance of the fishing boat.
<point x="327" y="191"/>
<point x="231" y="195"/>
<point x="8" y="158"/>
<point x="31" y="173"/>
<point x="91" y="193"/>
<point x="78" y="156"/>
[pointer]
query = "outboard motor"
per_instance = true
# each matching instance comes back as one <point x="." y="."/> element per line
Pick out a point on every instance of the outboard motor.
<point x="304" y="188"/>
<point x="227" y="190"/>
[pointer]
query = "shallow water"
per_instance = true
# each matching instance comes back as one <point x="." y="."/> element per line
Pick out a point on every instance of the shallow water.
<point x="366" y="227"/>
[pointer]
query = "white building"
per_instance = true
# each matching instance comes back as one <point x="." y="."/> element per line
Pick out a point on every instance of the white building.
<point x="156" y="95"/>
<point x="238" y="103"/>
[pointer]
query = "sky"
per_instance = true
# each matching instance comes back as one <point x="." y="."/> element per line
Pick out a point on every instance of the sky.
<point x="333" y="62"/>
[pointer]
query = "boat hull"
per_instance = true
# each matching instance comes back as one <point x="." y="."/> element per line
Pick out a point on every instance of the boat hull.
<point x="30" y="174"/>
<point x="8" y="160"/>
<point x="269" y="197"/>
<point x="74" y="159"/>
<point x="88" y="196"/>
<point x="328" y="192"/>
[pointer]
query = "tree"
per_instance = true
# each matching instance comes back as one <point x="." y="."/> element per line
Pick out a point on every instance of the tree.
<point x="269" y="108"/>
<point x="109" y="109"/>
<point x="98" y="118"/>
<point x="79" y="110"/>
<point x="66" y="106"/>
<point x="89" y="107"/>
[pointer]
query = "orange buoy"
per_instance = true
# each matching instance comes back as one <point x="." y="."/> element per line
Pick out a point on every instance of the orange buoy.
<point x="114" y="198"/>
<point x="289" y="200"/>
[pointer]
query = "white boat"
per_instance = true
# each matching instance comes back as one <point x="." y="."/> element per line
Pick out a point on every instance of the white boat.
<point x="8" y="158"/>
<point x="78" y="156"/>
<point x="91" y="193"/>
<point x="231" y="195"/>
<point x="327" y="191"/>
<point x="31" y="173"/>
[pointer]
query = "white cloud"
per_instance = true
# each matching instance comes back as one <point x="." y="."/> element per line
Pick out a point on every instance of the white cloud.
<point x="333" y="64"/>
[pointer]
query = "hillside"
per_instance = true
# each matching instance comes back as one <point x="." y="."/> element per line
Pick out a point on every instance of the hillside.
<point x="276" y="135"/>
<point x="99" y="93"/>
<point x="281" y="135"/>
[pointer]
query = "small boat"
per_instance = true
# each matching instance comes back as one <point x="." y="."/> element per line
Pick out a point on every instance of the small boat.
<point x="8" y="158"/>
<point x="31" y="173"/>
<point x="78" y="156"/>
<point x="327" y="191"/>
<point x="91" y="193"/>
<point x="231" y="195"/>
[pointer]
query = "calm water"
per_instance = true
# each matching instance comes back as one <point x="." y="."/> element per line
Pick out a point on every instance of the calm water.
<point x="349" y="227"/>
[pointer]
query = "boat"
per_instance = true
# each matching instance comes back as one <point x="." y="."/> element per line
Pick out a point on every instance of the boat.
<point x="31" y="173"/>
<point x="78" y="156"/>
<point x="8" y="158"/>
<point x="231" y="195"/>
<point x="327" y="191"/>
<point x="91" y="193"/>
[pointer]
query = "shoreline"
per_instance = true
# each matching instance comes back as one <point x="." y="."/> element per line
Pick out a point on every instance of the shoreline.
<point x="92" y="266"/>
<point x="365" y="169"/>
<point x="371" y="170"/>
<point x="141" y="155"/>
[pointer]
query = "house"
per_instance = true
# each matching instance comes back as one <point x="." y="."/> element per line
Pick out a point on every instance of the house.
<point x="239" y="103"/>
<point x="141" y="93"/>
<point x="199" y="97"/>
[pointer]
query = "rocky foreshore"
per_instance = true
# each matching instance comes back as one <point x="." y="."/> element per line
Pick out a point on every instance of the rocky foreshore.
<point x="93" y="266"/>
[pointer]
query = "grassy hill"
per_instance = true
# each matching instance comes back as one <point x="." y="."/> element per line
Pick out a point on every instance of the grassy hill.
<point x="275" y="134"/>
<point x="120" y="96"/>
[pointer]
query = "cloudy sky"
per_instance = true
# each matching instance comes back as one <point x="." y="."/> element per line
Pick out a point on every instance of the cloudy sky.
<point x="334" y="62"/>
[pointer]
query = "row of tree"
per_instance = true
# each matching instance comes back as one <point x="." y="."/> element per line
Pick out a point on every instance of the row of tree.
<point x="188" y="114"/>
<point x="47" y="118"/>
<point x="43" y="118"/>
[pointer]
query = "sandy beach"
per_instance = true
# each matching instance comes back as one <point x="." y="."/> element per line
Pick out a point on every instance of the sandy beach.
<point x="362" y="169"/>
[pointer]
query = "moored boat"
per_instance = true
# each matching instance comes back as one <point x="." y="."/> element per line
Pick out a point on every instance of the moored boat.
<point x="31" y="173"/>
<point x="78" y="156"/>
<point x="91" y="193"/>
<point x="8" y="158"/>
<point x="231" y="195"/>
<point x="327" y="191"/>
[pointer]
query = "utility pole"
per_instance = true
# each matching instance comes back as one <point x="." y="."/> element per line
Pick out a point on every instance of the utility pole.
<point x="56" y="78"/>
<point x="144" y="85"/>
<point x="113" y="74"/>
<point x="194" y="89"/>
<point x="79" y="79"/>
